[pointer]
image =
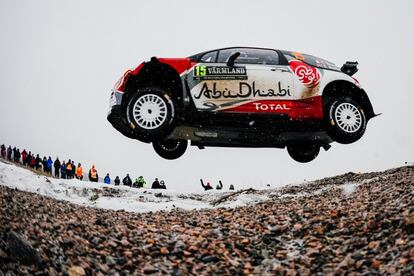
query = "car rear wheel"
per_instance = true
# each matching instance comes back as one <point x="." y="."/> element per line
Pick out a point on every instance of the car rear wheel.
<point x="347" y="121"/>
<point x="303" y="153"/>
<point x="150" y="113"/>
<point x="170" y="149"/>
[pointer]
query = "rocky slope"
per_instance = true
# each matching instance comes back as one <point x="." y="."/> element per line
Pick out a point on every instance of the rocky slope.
<point x="360" y="223"/>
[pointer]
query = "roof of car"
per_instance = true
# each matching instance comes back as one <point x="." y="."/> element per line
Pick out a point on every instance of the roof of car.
<point x="198" y="55"/>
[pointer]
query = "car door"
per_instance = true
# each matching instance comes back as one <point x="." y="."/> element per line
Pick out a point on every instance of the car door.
<point x="256" y="82"/>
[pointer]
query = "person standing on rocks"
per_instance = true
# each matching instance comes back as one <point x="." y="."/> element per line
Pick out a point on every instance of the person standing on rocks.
<point x="127" y="180"/>
<point x="93" y="174"/>
<point x="63" y="170"/>
<point x="207" y="186"/>
<point x="57" y="165"/>
<point x="117" y="181"/>
<point x="219" y="186"/>
<point x="24" y="157"/>
<point x="107" y="179"/>
<point x="79" y="172"/>
<point x="3" y="151"/>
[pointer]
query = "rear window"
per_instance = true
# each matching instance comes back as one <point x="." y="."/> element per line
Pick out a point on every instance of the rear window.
<point x="311" y="60"/>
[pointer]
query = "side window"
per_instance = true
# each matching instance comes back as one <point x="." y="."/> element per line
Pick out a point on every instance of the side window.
<point x="250" y="56"/>
<point x="209" y="57"/>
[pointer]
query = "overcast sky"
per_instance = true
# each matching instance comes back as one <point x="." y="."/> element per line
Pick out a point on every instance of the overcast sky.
<point x="59" y="60"/>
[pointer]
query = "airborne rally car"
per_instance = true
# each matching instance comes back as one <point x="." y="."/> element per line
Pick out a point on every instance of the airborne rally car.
<point x="241" y="97"/>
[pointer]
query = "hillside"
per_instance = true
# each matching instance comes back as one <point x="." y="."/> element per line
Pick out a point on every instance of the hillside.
<point x="352" y="222"/>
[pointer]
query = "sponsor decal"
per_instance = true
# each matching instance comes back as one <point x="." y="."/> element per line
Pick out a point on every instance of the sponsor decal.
<point x="246" y="90"/>
<point x="307" y="74"/>
<point x="202" y="72"/>
<point x="270" y="106"/>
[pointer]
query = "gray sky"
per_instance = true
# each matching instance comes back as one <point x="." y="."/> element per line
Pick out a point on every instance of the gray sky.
<point x="59" y="60"/>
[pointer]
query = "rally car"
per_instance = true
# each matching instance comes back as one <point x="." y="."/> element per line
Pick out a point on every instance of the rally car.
<point x="241" y="97"/>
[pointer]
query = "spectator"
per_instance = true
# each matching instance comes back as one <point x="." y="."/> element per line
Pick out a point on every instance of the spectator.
<point x="231" y="187"/>
<point x="93" y="174"/>
<point x="9" y="153"/>
<point x="73" y="172"/>
<point x="32" y="161"/>
<point x="107" y="179"/>
<point x="117" y="181"/>
<point x="57" y="165"/>
<point x="49" y="165"/>
<point x="135" y="184"/>
<point x="79" y="172"/>
<point x="17" y="156"/>
<point x="69" y="170"/>
<point x="29" y="159"/>
<point x="155" y="184"/>
<point x="219" y="186"/>
<point x="3" y="151"/>
<point x="162" y="185"/>
<point x="63" y="170"/>
<point x="38" y="162"/>
<point x="24" y="157"/>
<point x="206" y="187"/>
<point x="44" y="163"/>
<point x="141" y="182"/>
<point x="127" y="181"/>
<point x="14" y="154"/>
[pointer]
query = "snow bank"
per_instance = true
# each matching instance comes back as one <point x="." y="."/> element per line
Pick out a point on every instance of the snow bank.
<point x="105" y="196"/>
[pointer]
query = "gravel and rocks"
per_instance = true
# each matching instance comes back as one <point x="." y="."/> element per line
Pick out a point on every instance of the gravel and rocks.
<point x="317" y="227"/>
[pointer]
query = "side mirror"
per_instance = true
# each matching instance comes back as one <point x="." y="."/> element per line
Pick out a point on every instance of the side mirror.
<point x="232" y="58"/>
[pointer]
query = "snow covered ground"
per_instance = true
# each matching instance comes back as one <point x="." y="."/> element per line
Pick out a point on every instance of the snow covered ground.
<point x="105" y="196"/>
<point x="116" y="197"/>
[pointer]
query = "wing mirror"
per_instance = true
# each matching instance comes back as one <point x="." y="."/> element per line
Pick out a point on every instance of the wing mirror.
<point x="232" y="58"/>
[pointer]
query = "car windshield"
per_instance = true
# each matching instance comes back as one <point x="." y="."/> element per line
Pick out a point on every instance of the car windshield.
<point x="311" y="60"/>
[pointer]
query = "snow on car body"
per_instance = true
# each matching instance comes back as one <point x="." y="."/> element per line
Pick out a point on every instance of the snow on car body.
<point x="241" y="97"/>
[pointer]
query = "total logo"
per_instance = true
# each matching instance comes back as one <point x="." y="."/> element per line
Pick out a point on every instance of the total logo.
<point x="270" y="106"/>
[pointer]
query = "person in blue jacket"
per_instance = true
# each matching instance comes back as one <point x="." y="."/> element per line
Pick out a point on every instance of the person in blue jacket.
<point x="63" y="170"/>
<point x="49" y="165"/>
<point x="107" y="179"/>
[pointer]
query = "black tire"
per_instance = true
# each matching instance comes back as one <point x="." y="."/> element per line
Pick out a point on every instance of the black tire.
<point x="303" y="153"/>
<point x="170" y="149"/>
<point x="151" y="113"/>
<point x="346" y="120"/>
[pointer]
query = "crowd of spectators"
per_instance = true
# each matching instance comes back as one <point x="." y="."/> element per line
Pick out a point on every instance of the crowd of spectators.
<point x="68" y="170"/>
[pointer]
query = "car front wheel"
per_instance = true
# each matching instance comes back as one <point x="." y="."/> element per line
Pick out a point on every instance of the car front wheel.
<point x="303" y="153"/>
<point x="347" y="121"/>
<point x="170" y="149"/>
<point x="150" y="113"/>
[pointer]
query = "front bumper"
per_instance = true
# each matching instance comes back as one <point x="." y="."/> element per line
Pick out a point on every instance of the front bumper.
<point x="117" y="116"/>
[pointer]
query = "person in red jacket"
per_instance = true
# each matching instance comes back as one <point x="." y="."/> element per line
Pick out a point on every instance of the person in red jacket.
<point x="24" y="157"/>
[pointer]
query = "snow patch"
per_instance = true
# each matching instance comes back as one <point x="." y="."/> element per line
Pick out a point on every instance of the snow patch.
<point x="349" y="188"/>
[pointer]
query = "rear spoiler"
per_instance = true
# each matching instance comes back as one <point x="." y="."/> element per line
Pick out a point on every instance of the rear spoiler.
<point x="350" y="67"/>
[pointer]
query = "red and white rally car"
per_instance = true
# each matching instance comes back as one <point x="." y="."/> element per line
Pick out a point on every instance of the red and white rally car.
<point x="241" y="97"/>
